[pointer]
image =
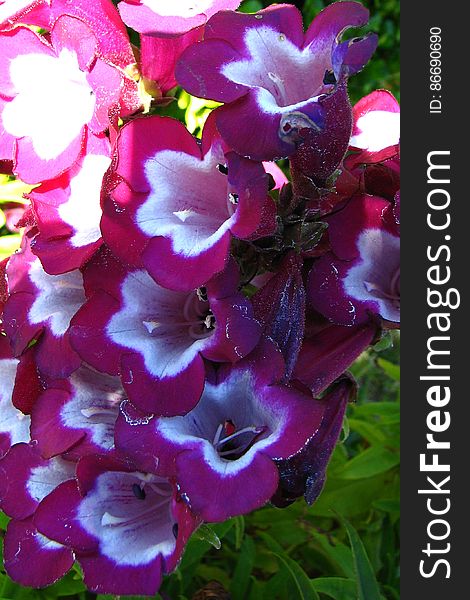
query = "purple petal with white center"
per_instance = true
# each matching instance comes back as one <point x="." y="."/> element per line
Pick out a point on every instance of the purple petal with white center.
<point x="187" y="221"/>
<point x="14" y="425"/>
<point x="78" y="415"/>
<point x="27" y="479"/>
<point x="42" y="304"/>
<point x="32" y="559"/>
<point x="361" y="276"/>
<point x="273" y="89"/>
<point x="155" y="336"/>
<point x="227" y="443"/>
<point x="122" y="524"/>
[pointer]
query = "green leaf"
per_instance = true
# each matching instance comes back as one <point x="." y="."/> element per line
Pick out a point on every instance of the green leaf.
<point x="3" y="521"/>
<point x="239" y="531"/>
<point x="241" y="576"/>
<point x="393" y="371"/>
<point x="367" y="586"/>
<point x="337" y="588"/>
<point x="337" y="553"/>
<point x="302" y="585"/>
<point x="368" y="463"/>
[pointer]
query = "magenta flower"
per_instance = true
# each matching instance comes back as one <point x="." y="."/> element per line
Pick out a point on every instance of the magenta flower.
<point x="68" y="211"/>
<point x="40" y="307"/>
<point x="156" y="338"/>
<point x="25" y="480"/>
<point x="360" y="277"/>
<point x="271" y="77"/>
<point x="77" y="415"/>
<point x="38" y="79"/>
<point x="228" y="442"/>
<point x="180" y="202"/>
<point x="127" y="528"/>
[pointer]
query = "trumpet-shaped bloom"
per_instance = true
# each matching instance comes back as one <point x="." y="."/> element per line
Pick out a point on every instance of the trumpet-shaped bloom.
<point x="52" y="95"/>
<point x="221" y="454"/>
<point x="126" y="527"/>
<point x="271" y="77"/>
<point x="156" y="338"/>
<point x="25" y="480"/>
<point x="180" y="202"/>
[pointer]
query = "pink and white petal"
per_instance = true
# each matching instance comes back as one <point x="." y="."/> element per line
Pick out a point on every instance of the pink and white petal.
<point x="32" y="12"/>
<point x="55" y="518"/>
<point x="376" y="129"/>
<point x="344" y="227"/>
<point x="27" y="479"/>
<point x="47" y="428"/>
<point x="135" y="157"/>
<point x="32" y="559"/>
<point x="14" y="425"/>
<point x="18" y="327"/>
<point x="330" y="23"/>
<point x="327" y="295"/>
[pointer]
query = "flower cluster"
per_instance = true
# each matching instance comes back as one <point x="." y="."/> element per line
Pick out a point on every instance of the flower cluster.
<point x="177" y="323"/>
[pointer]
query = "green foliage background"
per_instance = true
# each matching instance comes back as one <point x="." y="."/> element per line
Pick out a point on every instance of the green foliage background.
<point x="345" y="547"/>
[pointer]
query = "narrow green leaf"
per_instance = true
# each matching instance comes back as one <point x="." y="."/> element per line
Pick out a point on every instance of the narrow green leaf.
<point x="393" y="371"/>
<point x="337" y="588"/>
<point x="367" y="586"/>
<point x="372" y="461"/>
<point x="302" y="584"/>
<point x="241" y="576"/>
<point x="239" y="531"/>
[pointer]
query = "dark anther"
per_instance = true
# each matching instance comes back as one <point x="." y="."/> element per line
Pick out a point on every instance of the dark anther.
<point x="222" y="169"/>
<point x="233" y="198"/>
<point x="175" y="530"/>
<point x="138" y="492"/>
<point x="271" y="182"/>
<point x="329" y="77"/>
